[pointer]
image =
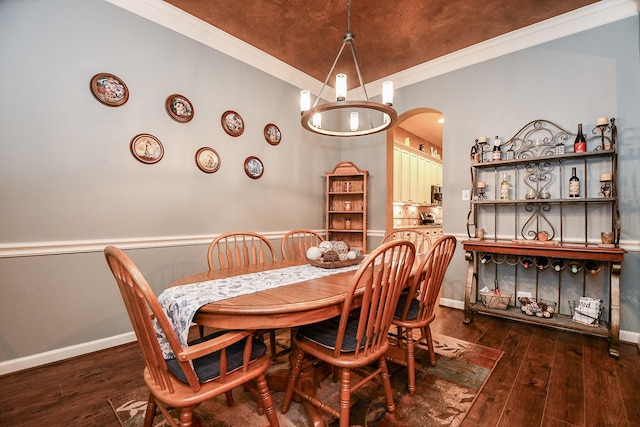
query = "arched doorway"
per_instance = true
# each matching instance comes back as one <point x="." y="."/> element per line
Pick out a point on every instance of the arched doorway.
<point x="416" y="144"/>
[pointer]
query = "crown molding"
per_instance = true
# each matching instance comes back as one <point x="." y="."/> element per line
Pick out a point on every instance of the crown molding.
<point x="597" y="14"/>
<point x="588" y="17"/>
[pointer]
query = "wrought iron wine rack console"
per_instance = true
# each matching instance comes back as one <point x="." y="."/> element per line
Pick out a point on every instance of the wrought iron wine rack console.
<point x="540" y="220"/>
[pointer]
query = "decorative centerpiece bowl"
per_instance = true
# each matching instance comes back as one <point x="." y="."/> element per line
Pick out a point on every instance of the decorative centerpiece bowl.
<point x="333" y="255"/>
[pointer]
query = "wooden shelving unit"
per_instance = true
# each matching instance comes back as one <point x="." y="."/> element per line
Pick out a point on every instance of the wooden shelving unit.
<point x="539" y="204"/>
<point x="346" y="215"/>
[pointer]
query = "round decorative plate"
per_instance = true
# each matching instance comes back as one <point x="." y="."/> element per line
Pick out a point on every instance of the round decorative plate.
<point x="272" y="134"/>
<point x="232" y="123"/>
<point x="109" y="89"/>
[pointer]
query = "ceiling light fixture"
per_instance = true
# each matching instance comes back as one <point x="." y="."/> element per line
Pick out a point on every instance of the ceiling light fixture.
<point x="379" y="116"/>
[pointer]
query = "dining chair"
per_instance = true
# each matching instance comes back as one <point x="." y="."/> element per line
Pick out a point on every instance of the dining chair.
<point x="207" y="367"/>
<point x="359" y="335"/>
<point x="296" y="242"/>
<point x="415" y="308"/>
<point x="419" y="238"/>
<point x="239" y="248"/>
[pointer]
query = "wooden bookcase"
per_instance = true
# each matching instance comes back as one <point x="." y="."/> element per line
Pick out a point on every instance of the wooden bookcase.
<point x="346" y="216"/>
<point x="541" y="223"/>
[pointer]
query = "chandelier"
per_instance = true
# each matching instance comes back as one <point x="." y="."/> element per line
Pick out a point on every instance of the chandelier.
<point x="377" y="116"/>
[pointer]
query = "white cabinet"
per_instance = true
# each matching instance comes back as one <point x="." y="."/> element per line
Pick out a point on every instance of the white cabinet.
<point x="413" y="175"/>
<point x="397" y="173"/>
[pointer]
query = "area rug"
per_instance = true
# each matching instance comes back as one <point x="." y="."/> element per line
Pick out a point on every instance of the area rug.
<point x="443" y="396"/>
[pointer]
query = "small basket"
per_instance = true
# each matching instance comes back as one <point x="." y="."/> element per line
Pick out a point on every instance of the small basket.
<point x="589" y="317"/>
<point x="499" y="301"/>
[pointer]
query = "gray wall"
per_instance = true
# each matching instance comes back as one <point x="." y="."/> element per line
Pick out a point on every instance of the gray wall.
<point x="67" y="174"/>
<point x="567" y="81"/>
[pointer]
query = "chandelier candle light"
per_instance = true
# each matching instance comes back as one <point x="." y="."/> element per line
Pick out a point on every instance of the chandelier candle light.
<point x="380" y="116"/>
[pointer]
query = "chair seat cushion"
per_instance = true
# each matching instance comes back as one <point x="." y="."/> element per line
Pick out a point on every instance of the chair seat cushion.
<point x="414" y="308"/>
<point x="324" y="333"/>
<point x="207" y="368"/>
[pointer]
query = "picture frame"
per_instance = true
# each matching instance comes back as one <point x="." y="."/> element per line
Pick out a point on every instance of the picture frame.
<point x="146" y="148"/>
<point x="208" y="160"/>
<point x="179" y="108"/>
<point x="232" y="123"/>
<point x="272" y="134"/>
<point x="109" y="89"/>
<point x="253" y="167"/>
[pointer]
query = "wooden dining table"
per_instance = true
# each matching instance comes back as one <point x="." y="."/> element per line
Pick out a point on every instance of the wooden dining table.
<point x="287" y="306"/>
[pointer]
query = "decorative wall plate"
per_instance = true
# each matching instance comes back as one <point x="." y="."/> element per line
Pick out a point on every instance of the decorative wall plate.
<point x="253" y="167"/>
<point x="109" y="89"/>
<point x="179" y="108"/>
<point x="272" y="134"/>
<point x="207" y="160"/>
<point x="147" y="148"/>
<point x="232" y="123"/>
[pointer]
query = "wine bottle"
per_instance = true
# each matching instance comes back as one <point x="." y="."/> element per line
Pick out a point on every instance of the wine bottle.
<point x="559" y="149"/>
<point x="526" y="261"/>
<point x="504" y="188"/>
<point x="592" y="266"/>
<point x="510" y="154"/>
<point x="557" y="264"/>
<point x="574" y="266"/>
<point x="574" y="184"/>
<point x="496" y="154"/>
<point x="485" y="258"/>
<point x="542" y="262"/>
<point x="580" y="144"/>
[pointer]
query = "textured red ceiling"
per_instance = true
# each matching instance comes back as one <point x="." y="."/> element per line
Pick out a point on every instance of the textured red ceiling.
<point x="390" y="35"/>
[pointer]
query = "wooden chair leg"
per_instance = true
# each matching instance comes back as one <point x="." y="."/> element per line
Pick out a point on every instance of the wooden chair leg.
<point x="201" y="329"/>
<point x="386" y="385"/>
<point x="297" y="358"/>
<point x="432" y="352"/>
<point x="272" y="343"/>
<point x="345" y="396"/>
<point x="267" y="401"/>
<point x="229" y="396"/>
<point x="150" y="413"/>
<point x="411" y="362"/>
<point x="186" y="417"/>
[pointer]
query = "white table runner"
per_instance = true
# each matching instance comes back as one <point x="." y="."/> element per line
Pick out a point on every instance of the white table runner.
<point x="181" y="303"/>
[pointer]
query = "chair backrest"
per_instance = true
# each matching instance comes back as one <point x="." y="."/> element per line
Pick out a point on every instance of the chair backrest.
<point x="143" y="306"/>
<point x="416" y="236"/>
<point x="240" y="248"/>
<point x="296" y="242"/>
<point x="426" y="286"/>
<point x="374" y="292"/>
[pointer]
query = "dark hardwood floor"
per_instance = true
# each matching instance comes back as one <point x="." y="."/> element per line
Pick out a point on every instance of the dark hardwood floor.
<point x="545" y="378"/>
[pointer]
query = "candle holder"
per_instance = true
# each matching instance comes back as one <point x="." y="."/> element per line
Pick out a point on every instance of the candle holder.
<point x="602" y="126"/>
<point x="481" y="193"/>
<point x="479" y="149"/>
<point x="606" y="185"/>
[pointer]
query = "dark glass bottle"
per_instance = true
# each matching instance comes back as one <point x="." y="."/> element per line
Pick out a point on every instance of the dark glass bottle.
<point x="592" y="266"/>
<point x="526" y="261"/>
<point x="557" y="264"/>
<point x="542" y="262"/>
<point x="574" y="266"/>
<point x="580" y="144"/>
<point x="574" y="184"/>
<point x="496" y="154"/>
<point x="485" y="258"/>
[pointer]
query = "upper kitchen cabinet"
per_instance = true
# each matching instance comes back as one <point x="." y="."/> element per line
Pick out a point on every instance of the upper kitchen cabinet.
<point x="414" y="172"/>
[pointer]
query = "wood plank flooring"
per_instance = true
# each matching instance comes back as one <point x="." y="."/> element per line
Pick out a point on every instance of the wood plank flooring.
<point x="546" y="378"/>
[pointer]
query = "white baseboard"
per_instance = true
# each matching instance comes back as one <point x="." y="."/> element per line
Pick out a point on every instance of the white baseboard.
<point x="59" y="354"/>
